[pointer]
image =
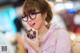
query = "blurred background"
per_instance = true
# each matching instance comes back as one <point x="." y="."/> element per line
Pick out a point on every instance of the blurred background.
<point x="65" y="12"/>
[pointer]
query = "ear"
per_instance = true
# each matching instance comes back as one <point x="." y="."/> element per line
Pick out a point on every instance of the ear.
<point x="45" y="15"/>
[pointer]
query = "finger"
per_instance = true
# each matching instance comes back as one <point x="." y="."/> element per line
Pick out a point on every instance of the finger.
<point x="27" y="40"/>
<point x="36" y="35"/>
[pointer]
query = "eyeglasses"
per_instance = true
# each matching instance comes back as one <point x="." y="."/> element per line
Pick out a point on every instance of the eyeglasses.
<point x="32" y="16"/>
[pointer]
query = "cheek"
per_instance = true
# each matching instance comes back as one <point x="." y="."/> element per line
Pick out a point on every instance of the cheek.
<point x="38" y="25"/>
<point x="39" y="22"/>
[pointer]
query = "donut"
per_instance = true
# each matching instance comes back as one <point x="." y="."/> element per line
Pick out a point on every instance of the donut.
<point x="31" y="34"/>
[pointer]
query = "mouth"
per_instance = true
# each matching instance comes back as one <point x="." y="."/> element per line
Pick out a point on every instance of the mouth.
<point x="32" y="24"/>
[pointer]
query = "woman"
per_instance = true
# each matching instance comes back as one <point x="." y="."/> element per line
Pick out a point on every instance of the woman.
<point x="37" y="14"/>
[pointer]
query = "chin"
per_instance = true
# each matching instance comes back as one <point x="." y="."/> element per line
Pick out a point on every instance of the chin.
<point x="35" y="28"/>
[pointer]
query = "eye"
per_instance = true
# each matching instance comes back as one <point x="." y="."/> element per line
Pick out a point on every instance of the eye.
<point x="33" y="13"/>
<point x="23" y="16"/>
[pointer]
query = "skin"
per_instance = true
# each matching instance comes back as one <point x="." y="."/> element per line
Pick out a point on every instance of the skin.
<point x="42" y="29"/>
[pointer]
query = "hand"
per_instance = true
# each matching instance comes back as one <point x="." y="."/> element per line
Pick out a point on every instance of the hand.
<point x="34" y="43"/>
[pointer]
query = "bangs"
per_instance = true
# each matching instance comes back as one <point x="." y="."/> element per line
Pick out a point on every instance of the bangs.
<point x="30" y="7"/>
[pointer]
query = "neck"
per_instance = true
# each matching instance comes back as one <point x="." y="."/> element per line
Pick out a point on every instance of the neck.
<point x="42" y="31"/>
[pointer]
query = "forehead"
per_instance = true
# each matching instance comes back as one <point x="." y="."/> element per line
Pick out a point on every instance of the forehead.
<point x="30" y="7"/>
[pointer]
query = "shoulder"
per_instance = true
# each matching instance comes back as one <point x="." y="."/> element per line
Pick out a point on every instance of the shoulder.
<point x="59" y="31"/>
<point x="54" y="27"/>
<point x="61" y="34"/>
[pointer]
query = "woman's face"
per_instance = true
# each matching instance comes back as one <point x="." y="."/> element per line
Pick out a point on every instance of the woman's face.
<point x="37" y="21"/>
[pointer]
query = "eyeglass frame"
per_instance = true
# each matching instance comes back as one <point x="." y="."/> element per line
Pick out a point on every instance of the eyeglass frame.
<point x="28" y="16"/>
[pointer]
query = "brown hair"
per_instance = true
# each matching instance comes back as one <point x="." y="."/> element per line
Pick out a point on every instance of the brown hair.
<point x="42" y="5"/>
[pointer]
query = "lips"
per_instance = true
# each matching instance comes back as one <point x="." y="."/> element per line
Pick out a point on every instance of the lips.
<point x="32" y="24"/>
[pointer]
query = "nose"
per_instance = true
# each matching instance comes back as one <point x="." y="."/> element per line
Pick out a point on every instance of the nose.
<point x="29" y="20"/>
